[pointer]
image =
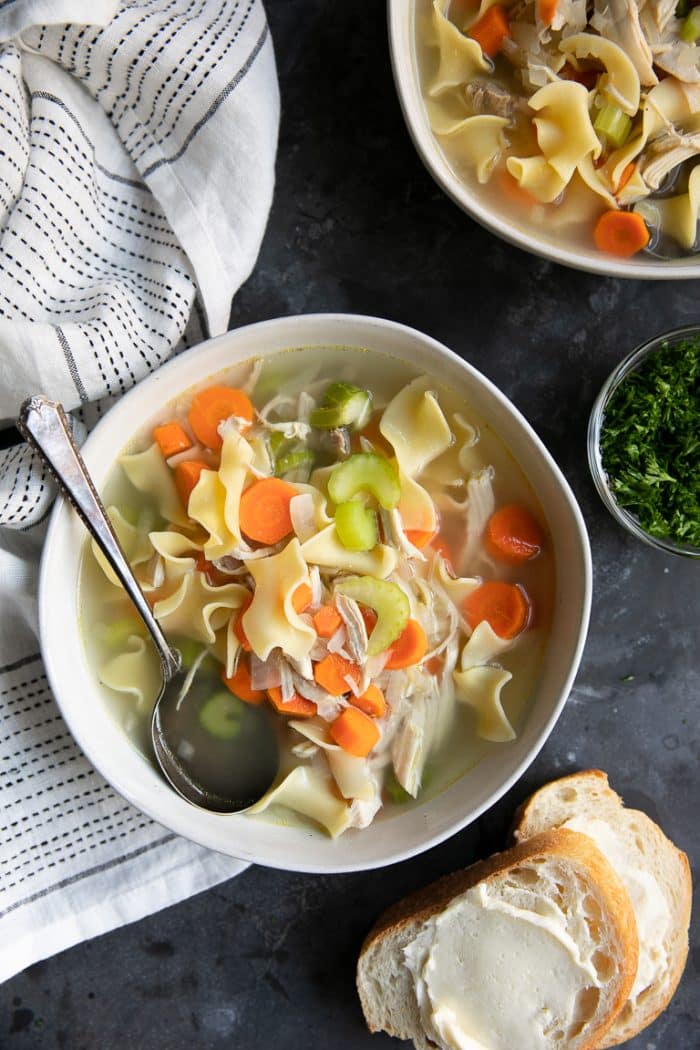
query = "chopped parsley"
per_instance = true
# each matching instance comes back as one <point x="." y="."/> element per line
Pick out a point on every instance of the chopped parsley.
<point x="650" y="443"/>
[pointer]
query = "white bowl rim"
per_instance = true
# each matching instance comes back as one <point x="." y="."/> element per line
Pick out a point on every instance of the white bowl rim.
<point x="100" y="757"/>
<point x="410" y="100"/>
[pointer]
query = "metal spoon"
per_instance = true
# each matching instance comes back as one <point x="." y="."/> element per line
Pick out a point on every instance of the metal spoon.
<point x="224" y="774"/>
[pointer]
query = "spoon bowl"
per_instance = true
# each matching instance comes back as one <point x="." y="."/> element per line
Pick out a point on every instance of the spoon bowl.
<point x="217" y="752"/>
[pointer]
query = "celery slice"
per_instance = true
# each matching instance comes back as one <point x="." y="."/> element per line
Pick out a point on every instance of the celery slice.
<point x="116" y="633"/>
<point x="365" y="472"/>
<point x="221" y="715"/>
<point x="343" y="405"/>
<point x="301" y="459"/>
<point x="388" y="601"/>
<point x="690" y="30"/>
<point x="356" y="526"/>
<point x="613" y="124"/>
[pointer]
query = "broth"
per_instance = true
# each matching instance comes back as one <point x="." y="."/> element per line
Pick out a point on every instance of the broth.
<point x="105" y="611"/>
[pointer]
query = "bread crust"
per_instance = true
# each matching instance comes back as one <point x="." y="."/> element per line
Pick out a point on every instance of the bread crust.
<point x="562" y="844"/>
<point x="625" y="1026"/>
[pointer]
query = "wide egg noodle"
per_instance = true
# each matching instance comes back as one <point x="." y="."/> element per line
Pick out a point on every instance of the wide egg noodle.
<point x="415" y="426"/>
<point x="226" y="647"/>
<point x="620" y="82"/>
<point x="215" y="500"/>
<point x="326" y="551"/>
<point x="483" y="647"/>
<point x="271" y="620"/>
<point x="177" y="554"/>
<point x="461" y="59"/>
<point x="133" y="541"/>
<point x="480" y="688"/>
<point x="564" y="130"/>
<point x="149" y="473"/>
<point x="676" y="216"/>
<point x="196" y="609"/>
<point x="478" y="142"/>
<point x="416" y="506"/>
<point x="352" y="774"/>
<point x="136" y="672"/>
<point x="308" y="791"/>
<point x="537" y="177"/>
<point x="457" y="588"/>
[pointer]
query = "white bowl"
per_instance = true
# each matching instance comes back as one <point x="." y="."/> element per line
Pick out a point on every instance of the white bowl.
<point x="403" y="58"/>
<point x="395" y="834"/>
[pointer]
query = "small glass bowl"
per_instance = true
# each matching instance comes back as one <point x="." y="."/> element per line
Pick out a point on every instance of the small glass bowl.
<point x="595" y="423"/>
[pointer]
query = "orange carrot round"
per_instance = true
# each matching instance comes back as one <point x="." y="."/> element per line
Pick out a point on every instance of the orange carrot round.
<point x="298" y="706"/>
<point x="238" y="629"/>
<point x="513" y="191"/>
<point x="409" y="648"/>
<point x="171" y="438"/>
<point x="491" y="30"/>
<point x="622" y="233"/>
<point x="332" y="673"/>
<point x="627" y="173"/>
<point x="354" y="732"/>
<point x="513" y="535"/>
<point x="212" y="406"/>
<point x="327" y="621"/>
<point x="186" y="477"/>
<point x="546" y="10"/>
<point x="301" y="599"/>
<point x="419" y="537"/>
<point x="239" y="684"/>
<point x="372" y="701"/>
<point x="264" y="514"/>
<point x="503" y="605"/>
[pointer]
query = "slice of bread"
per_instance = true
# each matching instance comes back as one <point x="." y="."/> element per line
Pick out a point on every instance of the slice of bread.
<point x="655" y="874"/>
<point x="559" y="874"/>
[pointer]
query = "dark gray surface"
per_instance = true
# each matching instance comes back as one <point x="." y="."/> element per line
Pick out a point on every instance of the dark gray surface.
<point x="267" y="960"/>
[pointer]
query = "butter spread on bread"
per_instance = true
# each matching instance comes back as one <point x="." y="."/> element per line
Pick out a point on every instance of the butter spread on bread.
<point x="655" y="873"/>
<point x="534" y="949"/>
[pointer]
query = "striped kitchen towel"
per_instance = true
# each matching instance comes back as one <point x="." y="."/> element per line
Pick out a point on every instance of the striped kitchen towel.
<point x="137" y="148"/>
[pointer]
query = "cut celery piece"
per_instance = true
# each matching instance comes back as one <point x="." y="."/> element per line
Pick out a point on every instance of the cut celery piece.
<point x="343" y="405"/>
<point x="116" y="634"/>
<point x="365" y="472"/>
<point x="388" y="601"/>
<point x="189" y="650"/>
<point x="276" y="441"/>
<point x="356" y="526"/>
<point x="690" y="30"/>
<point x="613" y="124"/>
<point x="222" y="715"/>
<point x="301" y="459"/>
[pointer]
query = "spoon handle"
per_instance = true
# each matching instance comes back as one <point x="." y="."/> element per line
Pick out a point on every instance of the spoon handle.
<point x="44" y="425"/>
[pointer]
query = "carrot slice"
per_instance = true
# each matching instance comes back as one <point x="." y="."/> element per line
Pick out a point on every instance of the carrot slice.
<point x="301" y="599"/>
<point x="503" y="605"/>
<point x="186" y="477"/>
<point x="354" y="732"/>
<point x="627" y="173"/>
<point x="212" y="406"/>
<point x="419" y="537"/>
<point x="546" y="10"/>
<point x="370" y="618"/>
<point x="327" y="621"/>
<point x="171" y="438"/>
<point x="622" y="233"/>
<point x="513" y="535"/>
<point x="239" y="684"/>
<point x="331" y="673"/>
<point x="434" y="665"/>
<point x="264" y="510"/>
<point x="491" y="30"/>
<point x="511" y="188"/>
<point x="298" y="706"/>
<point x="372" y="701"/>
<point x="238" y="625"/>
<point x="409" y="648"/>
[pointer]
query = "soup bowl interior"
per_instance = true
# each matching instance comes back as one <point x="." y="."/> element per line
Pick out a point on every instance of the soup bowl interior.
<point x="396" y="833"/>
<point x="477" y="203"/>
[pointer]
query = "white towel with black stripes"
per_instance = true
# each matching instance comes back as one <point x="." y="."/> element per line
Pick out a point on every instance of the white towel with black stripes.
<point x="137" y="149"/>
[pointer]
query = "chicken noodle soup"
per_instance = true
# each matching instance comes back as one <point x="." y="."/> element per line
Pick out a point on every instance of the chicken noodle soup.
<point x="352" y="547"/>
<point x="579" y="118"/>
